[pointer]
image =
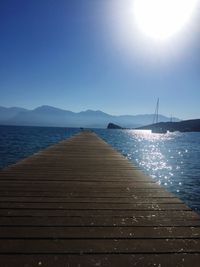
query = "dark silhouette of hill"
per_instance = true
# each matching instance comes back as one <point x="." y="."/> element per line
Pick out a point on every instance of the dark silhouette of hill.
<point x="113" y="126"/>
<point x="181" y="126"/>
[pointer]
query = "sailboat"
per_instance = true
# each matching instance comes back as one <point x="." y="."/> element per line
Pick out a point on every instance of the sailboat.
<point x="156" y="127"/>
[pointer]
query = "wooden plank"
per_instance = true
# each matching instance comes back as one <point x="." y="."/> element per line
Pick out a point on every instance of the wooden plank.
<point x="108" y="246"/>
<point x="92" y="206"/>
<point x="125" y="200"/>
<point x="105" y="260"/>
<point x="180" y="214"/>
<point x="99" y="232"/>
<point x="84" y="191"/>
<point x="91" y="195"/>
<point x="98" y="221"/>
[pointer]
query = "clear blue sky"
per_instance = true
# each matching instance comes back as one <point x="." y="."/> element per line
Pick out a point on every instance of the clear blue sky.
<point x="68" y="54"/>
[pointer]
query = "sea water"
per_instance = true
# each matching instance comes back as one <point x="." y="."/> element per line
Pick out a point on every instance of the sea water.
<point x="19" y="142"/>
<point x="172" y="159"/>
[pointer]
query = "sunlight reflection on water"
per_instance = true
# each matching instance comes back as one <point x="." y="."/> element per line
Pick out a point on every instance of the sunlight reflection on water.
<point x="172" y="159"/>
<point x="150" y="156"/>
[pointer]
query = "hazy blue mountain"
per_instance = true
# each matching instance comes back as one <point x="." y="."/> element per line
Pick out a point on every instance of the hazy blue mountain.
<point x="51" y="116"/>
<point x="9" y="113"/>
<point x="44" y="116"/>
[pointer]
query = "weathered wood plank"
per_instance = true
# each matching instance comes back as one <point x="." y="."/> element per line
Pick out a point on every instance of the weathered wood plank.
<point x="125" y="200"/>
<point x="105" y="260"/>
<point x="173" y="214"/>
<point x="91" y="246"/>
<point x="98" y="221"/>
<point x="100" y="232"/>
<point x="136" y="193"/>
<point x="93" y="206"/>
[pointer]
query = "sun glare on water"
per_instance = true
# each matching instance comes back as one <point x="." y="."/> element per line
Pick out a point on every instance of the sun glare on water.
<point x="162" y="19"/>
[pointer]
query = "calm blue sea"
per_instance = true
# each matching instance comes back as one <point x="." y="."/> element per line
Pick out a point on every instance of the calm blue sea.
<point x="173" y="160"/>
<point x="18" y="142"/>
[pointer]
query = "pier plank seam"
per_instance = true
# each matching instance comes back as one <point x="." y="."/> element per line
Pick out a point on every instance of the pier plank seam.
<point x="81" y="203"/>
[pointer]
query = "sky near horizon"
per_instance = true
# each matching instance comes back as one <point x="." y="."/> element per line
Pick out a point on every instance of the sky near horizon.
<point x="87" y="54"/>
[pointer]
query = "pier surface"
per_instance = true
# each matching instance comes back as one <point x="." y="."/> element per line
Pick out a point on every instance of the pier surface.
<point x="81" y="203"/>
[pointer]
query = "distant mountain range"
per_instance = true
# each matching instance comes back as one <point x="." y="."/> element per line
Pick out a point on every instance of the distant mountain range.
<point x="51" y="116"/>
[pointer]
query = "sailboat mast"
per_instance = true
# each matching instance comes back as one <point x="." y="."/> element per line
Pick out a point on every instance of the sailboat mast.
<point x="155" y="119"/>
<point x="157" y="109"/>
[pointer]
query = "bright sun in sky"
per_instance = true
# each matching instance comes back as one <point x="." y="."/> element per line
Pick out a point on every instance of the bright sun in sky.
<point x="162" y="19"/>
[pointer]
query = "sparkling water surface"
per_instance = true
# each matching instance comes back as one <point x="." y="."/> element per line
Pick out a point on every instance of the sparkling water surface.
<point x="171" y="159"/>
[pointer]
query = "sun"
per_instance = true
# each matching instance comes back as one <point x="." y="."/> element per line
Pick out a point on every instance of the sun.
<point x="162" y="19"/>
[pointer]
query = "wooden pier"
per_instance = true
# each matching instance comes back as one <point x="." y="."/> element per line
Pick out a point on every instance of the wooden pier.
<point x="81" y="203"/>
